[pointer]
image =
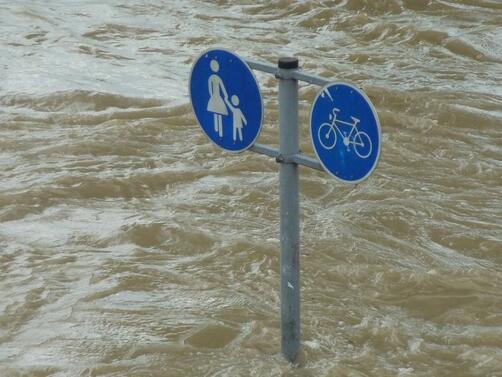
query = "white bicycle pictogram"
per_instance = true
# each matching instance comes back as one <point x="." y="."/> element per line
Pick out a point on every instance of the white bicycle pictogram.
<point x="327" y="135"/>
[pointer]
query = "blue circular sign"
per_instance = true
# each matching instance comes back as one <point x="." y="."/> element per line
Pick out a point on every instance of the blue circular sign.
<point x="226" y="100"/>
<point x="345" y="132"/>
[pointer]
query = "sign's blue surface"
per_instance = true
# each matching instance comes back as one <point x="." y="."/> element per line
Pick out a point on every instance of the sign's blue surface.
<point x="226" y="100"/>
<point x="345" y="132"/>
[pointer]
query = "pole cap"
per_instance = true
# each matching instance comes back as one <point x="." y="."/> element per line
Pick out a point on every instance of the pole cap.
<point x="288" y="63"/>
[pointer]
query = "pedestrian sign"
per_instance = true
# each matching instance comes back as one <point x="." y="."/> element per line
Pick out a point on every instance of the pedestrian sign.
<point x="226" y="99"/>
<point x="345" y="132"/>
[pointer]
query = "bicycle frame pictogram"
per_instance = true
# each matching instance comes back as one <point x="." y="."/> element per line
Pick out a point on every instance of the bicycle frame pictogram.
<point x="327" y="135"/>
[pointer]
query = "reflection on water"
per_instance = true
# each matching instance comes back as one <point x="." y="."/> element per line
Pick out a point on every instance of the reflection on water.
<point x="132" y="246"/>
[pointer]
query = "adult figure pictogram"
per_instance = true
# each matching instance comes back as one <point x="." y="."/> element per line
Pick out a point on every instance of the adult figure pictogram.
<point x="216" y="104"/>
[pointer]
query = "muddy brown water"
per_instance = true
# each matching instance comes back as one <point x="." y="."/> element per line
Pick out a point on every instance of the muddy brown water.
<point x="131" y="246"/>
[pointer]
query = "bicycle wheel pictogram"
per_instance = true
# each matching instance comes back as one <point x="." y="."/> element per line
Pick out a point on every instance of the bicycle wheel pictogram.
<point x="327" y="136"/>
<point x="362" y="144"/>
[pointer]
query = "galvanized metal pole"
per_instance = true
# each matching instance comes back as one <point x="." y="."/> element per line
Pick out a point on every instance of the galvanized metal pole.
<point x="289" y="198"/>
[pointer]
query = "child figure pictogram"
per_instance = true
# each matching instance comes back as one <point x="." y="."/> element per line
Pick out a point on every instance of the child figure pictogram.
<point x="238" y="118"/>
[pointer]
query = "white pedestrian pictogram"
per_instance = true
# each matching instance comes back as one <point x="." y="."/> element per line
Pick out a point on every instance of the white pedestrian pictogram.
<point x="216" y="104"/>
<point x="238" y="118"/>
<point x="219" y="104"/>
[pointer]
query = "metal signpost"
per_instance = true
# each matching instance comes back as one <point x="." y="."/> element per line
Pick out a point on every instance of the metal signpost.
<point x="345" y="133"/>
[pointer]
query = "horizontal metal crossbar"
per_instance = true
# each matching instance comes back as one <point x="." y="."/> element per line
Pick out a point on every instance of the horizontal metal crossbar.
<point x="297" y="158"/>
<point x="264" y="67"/>
<point x="291" y="73"/>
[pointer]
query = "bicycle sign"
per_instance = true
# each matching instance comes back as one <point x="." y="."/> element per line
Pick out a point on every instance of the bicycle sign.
<point x="345" y="132"/>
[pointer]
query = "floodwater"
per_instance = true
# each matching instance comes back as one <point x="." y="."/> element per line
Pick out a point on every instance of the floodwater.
<point x="132" y="246"/>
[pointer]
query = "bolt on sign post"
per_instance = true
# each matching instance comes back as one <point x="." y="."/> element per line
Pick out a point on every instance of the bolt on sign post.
<point x="344" y="130"/>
